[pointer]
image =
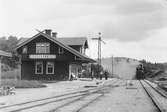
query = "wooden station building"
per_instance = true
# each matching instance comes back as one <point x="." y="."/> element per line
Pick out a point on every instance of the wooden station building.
<point x="47" y="57"/>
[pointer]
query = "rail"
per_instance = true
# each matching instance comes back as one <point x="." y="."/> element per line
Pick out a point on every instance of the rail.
<point x="69" y="97"/>
<point x="157" y="104"/>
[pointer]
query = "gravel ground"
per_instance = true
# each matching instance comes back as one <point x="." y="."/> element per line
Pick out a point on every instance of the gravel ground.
<point x="117" y="98"/>
<point x="52" y="89"/>
<point x="121" y="99"/>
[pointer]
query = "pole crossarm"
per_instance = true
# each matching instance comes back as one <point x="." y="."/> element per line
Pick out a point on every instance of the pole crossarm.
<point x="95" y="38"/>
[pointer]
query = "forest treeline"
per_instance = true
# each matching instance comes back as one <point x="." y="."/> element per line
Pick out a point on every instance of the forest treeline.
<point x="153" y="69"/>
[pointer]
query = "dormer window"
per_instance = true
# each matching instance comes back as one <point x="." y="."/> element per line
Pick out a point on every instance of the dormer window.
<point x="60" y="50"/>
<point x="42" y="47"/>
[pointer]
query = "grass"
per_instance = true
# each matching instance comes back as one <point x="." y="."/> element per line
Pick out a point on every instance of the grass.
<point x="22" y="83"/>
<point x="15" y="74"/>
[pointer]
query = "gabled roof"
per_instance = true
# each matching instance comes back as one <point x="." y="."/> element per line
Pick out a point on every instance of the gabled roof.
<point x="7" y="54"/>
<point x="82" y="41"/>
<point x="21" y="40"/>
<point x="70" y="41"/>
<point x="73" y="51"/>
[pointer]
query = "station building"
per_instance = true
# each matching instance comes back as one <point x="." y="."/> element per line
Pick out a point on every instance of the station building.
<point x="47" y="57"/>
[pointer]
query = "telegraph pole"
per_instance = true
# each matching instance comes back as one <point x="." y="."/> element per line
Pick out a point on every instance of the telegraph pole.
<point x="112" y="65"/>
<point x="99" y="50"/>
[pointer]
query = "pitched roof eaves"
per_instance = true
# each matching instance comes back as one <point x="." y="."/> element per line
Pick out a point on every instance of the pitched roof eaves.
<point x="4" y="53"/>
<point x="66" y="47"/>
<point x="56" y="41"/>
<point x="28" y="40"/>
<point x="82" y="56"/>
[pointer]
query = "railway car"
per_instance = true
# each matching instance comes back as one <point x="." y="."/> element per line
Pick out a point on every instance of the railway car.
<point x="140" y="72"/>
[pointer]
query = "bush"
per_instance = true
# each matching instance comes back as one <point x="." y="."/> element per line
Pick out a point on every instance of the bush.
<point x="15" y="74"/>
<point x="22" y="83"/>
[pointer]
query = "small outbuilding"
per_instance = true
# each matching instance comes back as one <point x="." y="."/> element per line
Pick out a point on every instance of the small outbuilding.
<point x="47" y="57"/>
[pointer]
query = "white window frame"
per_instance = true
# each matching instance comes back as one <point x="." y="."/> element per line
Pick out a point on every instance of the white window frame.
<point x="60" y="50"/>
<point x="36" y="63"/>
<point x="46" y="45"/>
<point x="47" y="67"/>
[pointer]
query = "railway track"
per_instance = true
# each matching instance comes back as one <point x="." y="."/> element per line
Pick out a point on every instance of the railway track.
<point x="158" y="89"/>
<point x="66" y="107"/>
<point x="158" y="98"/>
<point x="61" y="101"/>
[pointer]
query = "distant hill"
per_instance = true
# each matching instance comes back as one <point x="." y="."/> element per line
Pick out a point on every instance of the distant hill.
<point x="123" y="67"/>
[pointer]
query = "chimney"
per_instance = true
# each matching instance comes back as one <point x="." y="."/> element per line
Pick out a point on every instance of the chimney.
<point x="54" y="34"/>
<point x="48" y="32"/>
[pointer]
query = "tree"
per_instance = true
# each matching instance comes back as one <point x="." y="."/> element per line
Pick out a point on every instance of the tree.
<point x="152" y="69"/>
<point x="8" y="44"/>
<point x="96" y="68"/>
<point x="3" y="44"/>
<point x="12" y="42"/>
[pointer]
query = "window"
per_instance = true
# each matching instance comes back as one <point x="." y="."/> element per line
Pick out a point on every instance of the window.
<point x="42" y="48"/>
<point x="50" y="68"/>
<point x="61" y="50"/>
<point x="24" y="50"/>
<point x="80" y="49"/>
<point x="39" y="68"/>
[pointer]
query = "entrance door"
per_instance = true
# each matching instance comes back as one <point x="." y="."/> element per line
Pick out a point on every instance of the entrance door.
<point x="73" y="70"/>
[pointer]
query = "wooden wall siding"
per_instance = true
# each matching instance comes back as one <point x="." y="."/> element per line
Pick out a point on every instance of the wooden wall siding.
<point x="27" y="69"/>
<point x="61" y="71"/>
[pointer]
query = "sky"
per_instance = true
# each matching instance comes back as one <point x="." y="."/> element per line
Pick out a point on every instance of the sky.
<point x="131" y="28"/>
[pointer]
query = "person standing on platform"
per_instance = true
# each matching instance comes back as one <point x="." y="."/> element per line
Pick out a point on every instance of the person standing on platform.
<point x="101" y="75"/>
<point x="106" y="75"/>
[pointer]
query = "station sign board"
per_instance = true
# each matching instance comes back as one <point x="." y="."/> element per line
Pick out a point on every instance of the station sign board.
<point x="42" y="56"/>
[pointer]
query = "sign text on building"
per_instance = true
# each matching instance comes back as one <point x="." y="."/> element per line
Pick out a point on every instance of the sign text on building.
<point x="42" y="56"/>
